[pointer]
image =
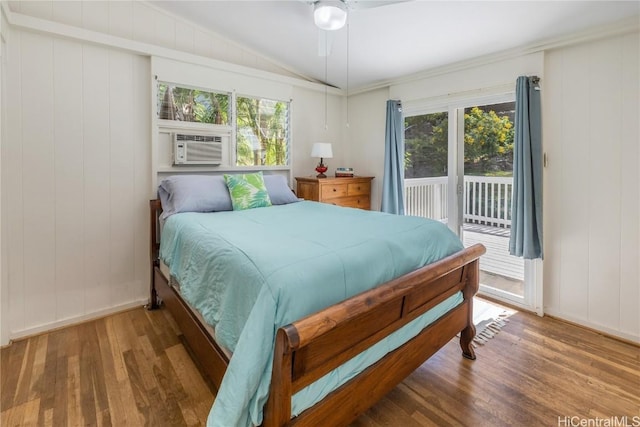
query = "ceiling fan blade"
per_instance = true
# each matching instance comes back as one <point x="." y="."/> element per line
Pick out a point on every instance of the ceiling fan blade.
<point x="325" y="42"/>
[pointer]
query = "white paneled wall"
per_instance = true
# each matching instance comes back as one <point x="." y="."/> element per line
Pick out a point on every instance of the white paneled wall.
<point x="365" y="140"/>
<point x="4" y="292"/>
<point x="76" y="179"/>
<point x="592" y="186"/>
<point x="76" y="151"/>
<point x="37" y="174"/>
<point x="139" y="21"/>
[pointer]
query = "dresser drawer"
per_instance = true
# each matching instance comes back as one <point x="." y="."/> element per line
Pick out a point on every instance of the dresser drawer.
<point x="307" y="191"/>
<point x="361" y="202"/>
<point x="359" y="188"/>
<point x="331" y="191"/>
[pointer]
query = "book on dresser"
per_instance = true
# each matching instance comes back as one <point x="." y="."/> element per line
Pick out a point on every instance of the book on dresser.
<point x="353" y="192"/>
<point x="344" y="173"/>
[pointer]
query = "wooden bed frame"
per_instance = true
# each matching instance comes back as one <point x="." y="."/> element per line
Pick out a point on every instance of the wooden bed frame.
<point x="313" y="346"/>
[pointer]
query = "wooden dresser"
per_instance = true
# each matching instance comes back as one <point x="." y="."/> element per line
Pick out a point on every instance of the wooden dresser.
<point x="350" y="192"/>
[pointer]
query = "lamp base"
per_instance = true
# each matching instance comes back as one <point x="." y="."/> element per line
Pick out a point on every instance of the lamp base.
<point x="321" y="169"/>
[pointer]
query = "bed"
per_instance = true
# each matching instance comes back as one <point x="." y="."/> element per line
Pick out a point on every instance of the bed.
<point x="314" y="340"/>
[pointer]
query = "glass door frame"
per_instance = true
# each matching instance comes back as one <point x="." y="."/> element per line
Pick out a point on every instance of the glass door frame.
<point x="454" y="105"/>
<point x="532" y="297"/>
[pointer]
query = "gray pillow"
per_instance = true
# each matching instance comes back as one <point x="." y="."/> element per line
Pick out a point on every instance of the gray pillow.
<point x="279" y="191"/>
<point x="209" y="193"/>
<point x="194" y="193"/>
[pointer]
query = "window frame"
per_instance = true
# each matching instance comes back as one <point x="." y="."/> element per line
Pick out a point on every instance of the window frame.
<point x="235" y="132"/>
<point x="189" y="124"/>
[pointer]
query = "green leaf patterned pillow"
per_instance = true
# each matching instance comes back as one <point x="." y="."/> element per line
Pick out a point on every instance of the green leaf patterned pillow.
<point x="247" y="191"/>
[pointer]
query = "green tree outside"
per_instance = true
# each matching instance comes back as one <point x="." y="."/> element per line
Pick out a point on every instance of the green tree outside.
<point x="488" y="143"/>
<point x="262" y="138"/>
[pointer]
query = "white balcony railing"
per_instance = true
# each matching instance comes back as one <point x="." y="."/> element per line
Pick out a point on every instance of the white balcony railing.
<point x="487" y="200"/>
<point x="426" y="197"/>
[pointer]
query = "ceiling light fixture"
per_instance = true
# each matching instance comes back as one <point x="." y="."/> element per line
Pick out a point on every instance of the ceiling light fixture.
<point x="329" y="15"/>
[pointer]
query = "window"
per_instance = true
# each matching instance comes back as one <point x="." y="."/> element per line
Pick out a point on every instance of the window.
<point x="488" y="142"/>
<point x="262" y="136"/>
<point x="192" y="105"/>
<point x="261" y="126"/>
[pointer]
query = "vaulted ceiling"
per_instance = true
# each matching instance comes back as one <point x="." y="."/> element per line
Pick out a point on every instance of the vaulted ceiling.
<point x="396" y="39"/>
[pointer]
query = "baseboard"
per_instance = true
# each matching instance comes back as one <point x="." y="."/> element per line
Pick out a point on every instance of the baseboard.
<point x="49" y="327"/>
<point x="608" y="332"/>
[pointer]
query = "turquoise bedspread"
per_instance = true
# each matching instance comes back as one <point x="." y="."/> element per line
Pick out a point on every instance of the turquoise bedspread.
<point x="250" y="272"/>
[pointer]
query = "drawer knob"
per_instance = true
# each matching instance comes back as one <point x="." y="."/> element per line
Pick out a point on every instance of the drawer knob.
<point x="334" y="190"/>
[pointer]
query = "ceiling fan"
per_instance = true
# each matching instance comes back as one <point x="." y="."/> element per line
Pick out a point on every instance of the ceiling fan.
<point x="331" y="15"/>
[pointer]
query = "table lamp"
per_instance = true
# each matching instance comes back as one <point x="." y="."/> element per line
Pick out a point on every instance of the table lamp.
<point x="322" y="150"/>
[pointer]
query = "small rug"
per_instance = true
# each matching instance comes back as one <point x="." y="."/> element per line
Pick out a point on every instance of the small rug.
<point x="489" y="318"/>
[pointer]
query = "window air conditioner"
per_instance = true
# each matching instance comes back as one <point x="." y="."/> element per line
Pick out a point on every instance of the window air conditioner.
<point x="197" y="149"/>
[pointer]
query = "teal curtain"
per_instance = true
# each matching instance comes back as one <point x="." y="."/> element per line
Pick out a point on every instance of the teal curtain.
<point x="526" y="212"/>
<point x="393" y="180"/>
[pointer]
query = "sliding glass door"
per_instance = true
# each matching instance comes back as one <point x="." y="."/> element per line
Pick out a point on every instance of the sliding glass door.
<point x="486" y="151"/>
<point x="459" y="170"/>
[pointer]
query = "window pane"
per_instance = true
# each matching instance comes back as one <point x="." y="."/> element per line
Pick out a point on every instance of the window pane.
<point x="488" y="139"/>
<point x="262" y="132"/>
<point x="426" y="146"/>
<point x="192" y="105"/>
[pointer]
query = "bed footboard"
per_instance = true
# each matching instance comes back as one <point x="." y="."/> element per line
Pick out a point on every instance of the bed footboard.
<point x="308" y="349"/>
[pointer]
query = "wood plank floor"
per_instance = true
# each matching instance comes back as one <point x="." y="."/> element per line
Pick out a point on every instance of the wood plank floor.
<point x="132" y="369"/>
